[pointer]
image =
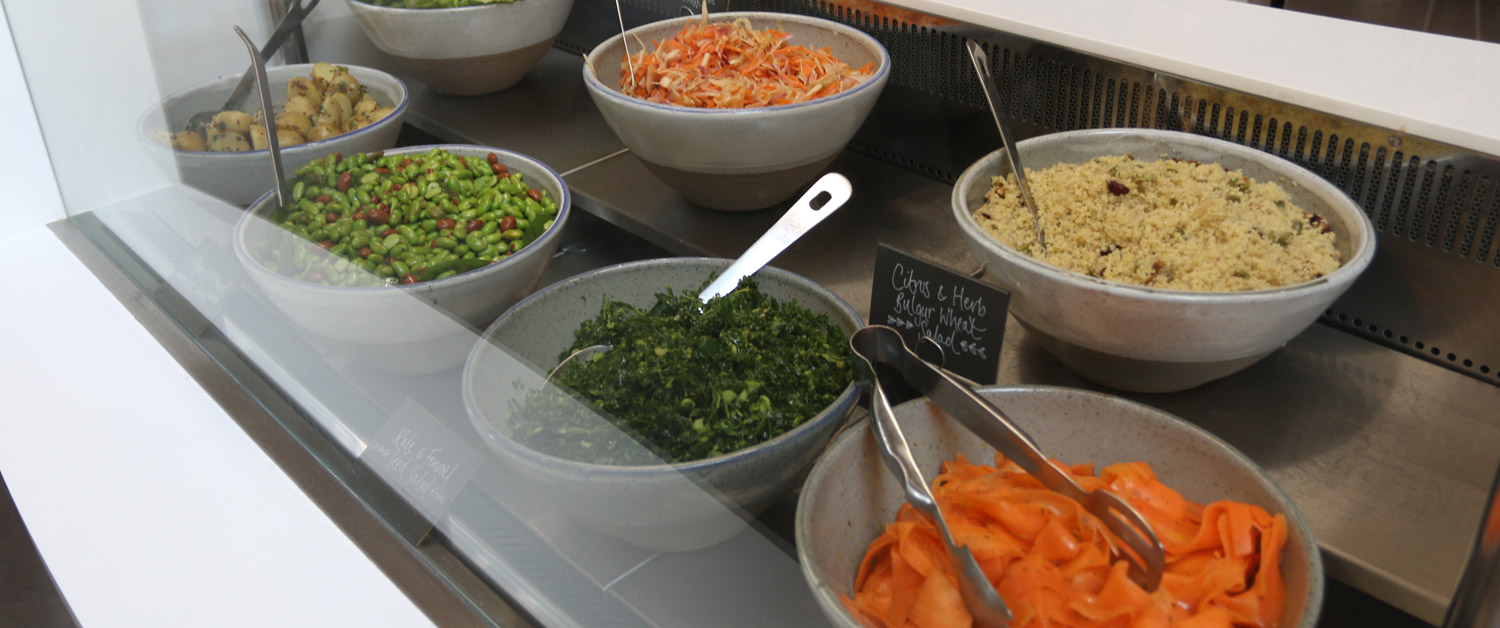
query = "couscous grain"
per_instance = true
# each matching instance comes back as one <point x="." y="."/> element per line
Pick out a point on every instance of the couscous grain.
<point x="1172" y="224"/>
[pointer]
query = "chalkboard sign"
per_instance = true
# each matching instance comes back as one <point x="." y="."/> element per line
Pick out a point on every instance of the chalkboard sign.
<point x="962" y="316"/>
<point x="421" y="458"/>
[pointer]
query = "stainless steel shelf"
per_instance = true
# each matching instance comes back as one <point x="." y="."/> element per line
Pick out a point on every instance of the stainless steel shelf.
<point x="1388" y="456"/>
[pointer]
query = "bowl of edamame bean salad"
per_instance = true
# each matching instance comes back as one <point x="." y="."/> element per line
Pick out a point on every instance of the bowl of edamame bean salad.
<point x="396" y="257"/>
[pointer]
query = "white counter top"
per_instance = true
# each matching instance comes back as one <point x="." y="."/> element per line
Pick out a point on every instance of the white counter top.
<point x="149" y="504"/>
<point x="1433" y="86"/>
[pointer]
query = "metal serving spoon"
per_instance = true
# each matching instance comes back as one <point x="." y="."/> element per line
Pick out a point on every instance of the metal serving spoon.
<point x="878" y="344"/>
<point x="798" y="220"/>
<point x="284" y="29"/>
<point x="258" y="71"/>
<point x="1002" y="122"/>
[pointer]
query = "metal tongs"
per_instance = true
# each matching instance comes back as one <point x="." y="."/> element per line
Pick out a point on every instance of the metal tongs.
<point x="878" y="344"/>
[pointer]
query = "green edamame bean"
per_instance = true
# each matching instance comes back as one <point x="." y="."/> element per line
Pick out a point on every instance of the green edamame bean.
<point x="475" y="243"/>
<point x="511" y="234"/>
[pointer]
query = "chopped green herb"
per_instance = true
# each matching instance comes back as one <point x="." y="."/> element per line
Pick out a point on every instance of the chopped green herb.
<point x="690" y="380"/>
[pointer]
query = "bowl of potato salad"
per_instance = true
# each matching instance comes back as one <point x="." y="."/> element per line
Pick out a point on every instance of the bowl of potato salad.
<point x="319" y="108"/>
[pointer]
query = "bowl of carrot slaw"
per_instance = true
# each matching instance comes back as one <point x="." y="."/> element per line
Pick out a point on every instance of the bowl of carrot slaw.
<point x="737" y="111"/>
<point x="1238" y="551"/>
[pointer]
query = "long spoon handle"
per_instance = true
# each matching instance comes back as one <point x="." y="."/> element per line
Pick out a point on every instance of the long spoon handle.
<point x="798" y="220"/>
<point x="992" y="96"/>
<point x="268" y="115"/>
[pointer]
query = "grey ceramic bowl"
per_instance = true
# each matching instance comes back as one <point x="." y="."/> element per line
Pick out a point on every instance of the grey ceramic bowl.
<point x="465" y="50"/>
<point x="850" y="496"/>
<point x="419" y="328"/>
<point x="672" y="507"/>
<point x="739" y="159"/>
<point x="1148" y="339"/>
<point x="240" y="178"/>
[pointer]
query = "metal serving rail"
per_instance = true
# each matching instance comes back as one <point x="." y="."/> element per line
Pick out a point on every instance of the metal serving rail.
<point x="1388" y="455"/>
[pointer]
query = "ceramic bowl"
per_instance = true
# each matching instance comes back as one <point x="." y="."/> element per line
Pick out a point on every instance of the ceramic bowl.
<point x="850" y="495"/>
<point x="671" y="507"/>
<point x="419" y="328"/>
<point x="739" y="159"/>
<point x="240" y="178"/>
<point x="466" y="50"/>
<point x="1147" y="339"/>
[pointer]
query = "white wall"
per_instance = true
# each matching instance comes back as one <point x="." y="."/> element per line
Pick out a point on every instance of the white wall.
<point x="25" y="170"/>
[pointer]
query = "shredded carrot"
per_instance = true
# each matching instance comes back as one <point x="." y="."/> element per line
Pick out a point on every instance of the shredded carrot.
<point x="1052" y="561"/>
<point x="731" y="65"/>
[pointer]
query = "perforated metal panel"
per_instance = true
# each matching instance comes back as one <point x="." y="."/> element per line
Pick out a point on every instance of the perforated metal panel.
<point x="1434" y="289"/>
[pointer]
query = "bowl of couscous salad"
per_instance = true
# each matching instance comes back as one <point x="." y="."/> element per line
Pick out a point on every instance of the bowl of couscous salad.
<point x="1170" y="259"/>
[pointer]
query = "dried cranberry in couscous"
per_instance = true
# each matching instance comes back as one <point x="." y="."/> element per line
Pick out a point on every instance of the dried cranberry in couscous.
<point x="1172" y="224"/>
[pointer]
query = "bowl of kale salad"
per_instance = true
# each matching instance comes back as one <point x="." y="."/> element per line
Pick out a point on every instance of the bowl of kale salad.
<point x="697" y="416"/>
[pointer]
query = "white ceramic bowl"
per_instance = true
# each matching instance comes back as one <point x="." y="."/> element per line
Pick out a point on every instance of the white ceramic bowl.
<point x="419" y="328"/>
<point x="739" y="159"/>
<point x="671" y="507"/>
<point x="850" y="495"/>
<point x="1148" y="339"/>
<point x="240" y="178"/>
<point x="466" y="50"/>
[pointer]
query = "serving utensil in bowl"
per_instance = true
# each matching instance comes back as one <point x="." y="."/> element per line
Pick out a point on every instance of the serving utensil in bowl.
<point x="240" y="177"/>
<point x="672" y="507"/>
<point x="878" y="345"/>
<point x="738" y="159"/>
<point x="850" y="496"/>
<point x="423" y="327"/>
<point x="1149" y="339"/>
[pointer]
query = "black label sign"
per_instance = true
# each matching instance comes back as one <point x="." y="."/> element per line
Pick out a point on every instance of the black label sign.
<point x="420" y="457"/>
<point x="962" y="316"/>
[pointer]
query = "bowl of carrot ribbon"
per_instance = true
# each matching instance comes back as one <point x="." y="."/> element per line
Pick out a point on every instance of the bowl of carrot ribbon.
<point x="1238" y="551"/>
<point x="737" y="111"/>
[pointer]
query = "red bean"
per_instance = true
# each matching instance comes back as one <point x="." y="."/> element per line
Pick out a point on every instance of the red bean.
<point x="474" y="225"/>
<point x="326" y="244"/>
<point x="331" y="217"/>
<point x="446" y="223"/>
<point x="409" y="279"/>
<point x="323" y="198"/>
<point x="314" y="277"/>
<point x="493" y="159"/>
<point x="364" y="251"/>
<point x="500" y="170"/>
<point x="382" y="170"/>
<point x="507" y="223"/>
<point x="389" y="232"/>
<point x="535" y="194"/>
<point x="344" y="180"/>
<point x="360" y="215"/>
<point x="378" y="216"/>
<point x="1116" y="188"/>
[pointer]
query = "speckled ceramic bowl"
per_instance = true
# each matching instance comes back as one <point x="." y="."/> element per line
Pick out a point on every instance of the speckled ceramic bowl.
<point x="466" y="50"/>
<point x="850" y="495"/>
<point x="240" y="178"/>
<point x="419" y="328"/>
<point x="739" y="159"/>
<point x="670" y="507"/>
<point x="1148" y="339"/>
